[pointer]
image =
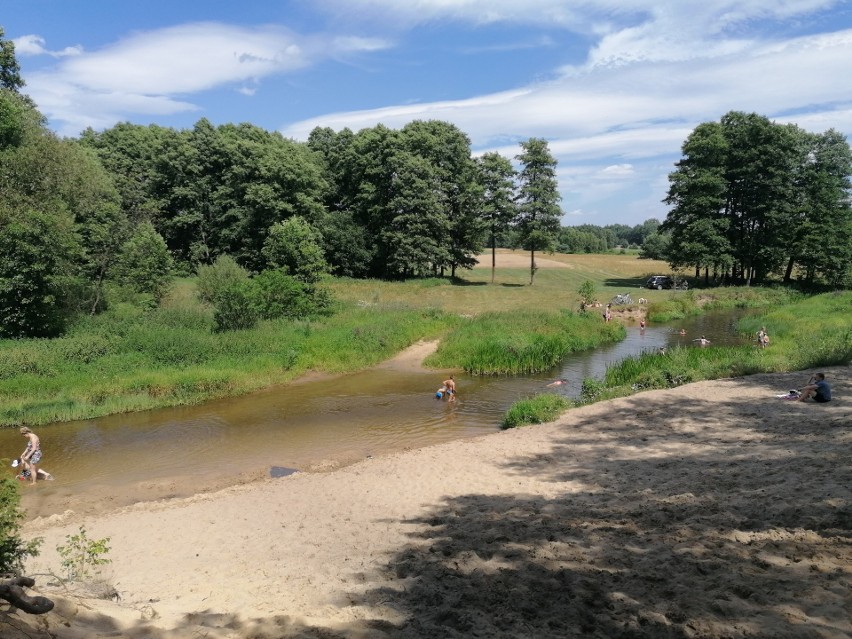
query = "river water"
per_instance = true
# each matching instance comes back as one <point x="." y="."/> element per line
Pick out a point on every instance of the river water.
<point x="312" y="426"/>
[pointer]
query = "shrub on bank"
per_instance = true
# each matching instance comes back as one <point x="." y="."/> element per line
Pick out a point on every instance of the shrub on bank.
<point x="536" y="410"/>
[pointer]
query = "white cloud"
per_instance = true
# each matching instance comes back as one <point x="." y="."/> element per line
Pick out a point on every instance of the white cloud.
<point x="148" y="72"/>
<point x="34" y="45"/>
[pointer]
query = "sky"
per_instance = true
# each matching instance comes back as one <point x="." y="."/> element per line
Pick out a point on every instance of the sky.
<point x="614" y="86"/>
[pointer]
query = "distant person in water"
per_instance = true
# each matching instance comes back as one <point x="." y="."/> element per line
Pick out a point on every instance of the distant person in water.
<point x="450" y="386"/>
<point x="642" y="324"/>
<point x="682" y="331"/>
<point x="817" y="388"/>
<point x="702" y="341"/>
<point x="558" y="382"/>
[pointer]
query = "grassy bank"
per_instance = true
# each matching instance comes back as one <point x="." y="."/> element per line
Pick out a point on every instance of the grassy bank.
<point x="805" y="333"/>
<point x="684" y="304"/>
<point x="511" y="343"/>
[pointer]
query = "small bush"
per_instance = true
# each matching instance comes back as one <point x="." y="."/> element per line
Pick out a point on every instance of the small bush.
<point x="215" y="278"/>
<point x="236" y="307"/>
<point x="536" y="410"/>
<point x="13" y="550"/>
<point x="591" y="389"/>
<point x="81" y="555"/>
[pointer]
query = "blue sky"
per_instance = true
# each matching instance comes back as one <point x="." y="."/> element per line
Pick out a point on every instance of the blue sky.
<point x="615" y="86"/>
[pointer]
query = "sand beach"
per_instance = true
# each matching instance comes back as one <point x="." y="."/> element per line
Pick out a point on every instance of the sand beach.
<point x="710" y="510"/>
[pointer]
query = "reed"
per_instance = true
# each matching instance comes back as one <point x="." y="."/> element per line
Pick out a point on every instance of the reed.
<point x="129" y="359"/>
<point x="503" y="343"/>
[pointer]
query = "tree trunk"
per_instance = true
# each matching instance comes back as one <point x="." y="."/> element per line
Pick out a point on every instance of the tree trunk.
<point x="532" y="266"/>
<point x="493" y="256"/>
<point x="12" y="590"/>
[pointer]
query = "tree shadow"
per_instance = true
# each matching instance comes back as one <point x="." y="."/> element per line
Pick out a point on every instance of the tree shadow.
<point x="629" y="284"/>
<point x="648" y="518"/>
<point x="728" y="521"/>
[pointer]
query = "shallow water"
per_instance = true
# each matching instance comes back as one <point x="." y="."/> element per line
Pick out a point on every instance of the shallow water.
<point x="312" y="426"/>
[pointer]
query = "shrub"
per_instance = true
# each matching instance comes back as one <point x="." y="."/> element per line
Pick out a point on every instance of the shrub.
<point x="281" y="295"/>
<point x="236" y="308"/>
<point x="219" y="276"/>
<point x="80" y="555"/>
<point x="13" y="550"/>
<point x="536" y="410"/>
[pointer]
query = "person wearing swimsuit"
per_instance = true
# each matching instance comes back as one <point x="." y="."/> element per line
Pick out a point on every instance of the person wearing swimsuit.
<point x="32" y="454"/>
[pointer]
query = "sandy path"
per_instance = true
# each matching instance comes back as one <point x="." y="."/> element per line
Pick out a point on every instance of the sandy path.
<point x="710" y="510"/>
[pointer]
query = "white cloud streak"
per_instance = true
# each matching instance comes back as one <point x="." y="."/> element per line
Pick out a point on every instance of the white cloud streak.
<point x="148" y="72"/>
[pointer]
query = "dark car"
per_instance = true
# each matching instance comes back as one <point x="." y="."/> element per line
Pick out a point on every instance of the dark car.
<point x="660" y="282"/>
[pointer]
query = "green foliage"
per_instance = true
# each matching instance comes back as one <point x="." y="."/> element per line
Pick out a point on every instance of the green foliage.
<point x="145" y="263"/>
<point x="278" y="294"/>
<point x="217" y="277"/>
<point x="236" y="307"/>
<point x="13" y="550"/>
<point x="587" y="292"/>
<point x="538" y="199"/>
<point x="591" y="390"/>
<point x="520" y="342"/>
<point x="10" y="70"/>
<point x="751" y="198"/>
<point x="36" y="250"/>
<point x="295" y="246"/>
<point x="82" y="556"/>
<point x="536" y="410"/>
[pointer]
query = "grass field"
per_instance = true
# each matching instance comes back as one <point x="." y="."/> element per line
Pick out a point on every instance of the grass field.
<point x="556" y="283"/>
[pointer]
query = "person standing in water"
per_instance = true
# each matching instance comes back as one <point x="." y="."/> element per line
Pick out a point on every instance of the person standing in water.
<point x="32" y="453"/>
<point x="450" y="385"/>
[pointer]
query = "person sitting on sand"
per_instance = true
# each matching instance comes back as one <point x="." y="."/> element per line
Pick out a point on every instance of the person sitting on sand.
<point x="817" y="388"/>
<point x="558" y="382"/>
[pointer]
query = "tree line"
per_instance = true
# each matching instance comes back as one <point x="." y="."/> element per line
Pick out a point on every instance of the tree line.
<point x="132" y="204"/>
<point x="753" y="199"/>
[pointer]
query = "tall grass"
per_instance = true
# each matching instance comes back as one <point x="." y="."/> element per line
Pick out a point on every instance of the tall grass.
<point x="678" y="305"/>
<point x="131" y="359"/>
<point x="805" y="333"/>
<point x="504" y="343"/>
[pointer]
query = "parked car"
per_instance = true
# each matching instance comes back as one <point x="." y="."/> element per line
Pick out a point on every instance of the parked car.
<point x="660" y="282"/>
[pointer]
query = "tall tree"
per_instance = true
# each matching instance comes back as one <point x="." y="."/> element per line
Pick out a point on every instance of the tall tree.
<point x="538" y="199"/>
<point x="822" y="245"/>
<point x="698" y="195"/>
<point x="446" y="149"/>
<point x="497" y="177"/>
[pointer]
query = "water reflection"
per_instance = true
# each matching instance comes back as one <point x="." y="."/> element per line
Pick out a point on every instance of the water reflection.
<point x="309" y="426"/>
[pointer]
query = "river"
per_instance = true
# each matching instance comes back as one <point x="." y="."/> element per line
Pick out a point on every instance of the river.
<point x="312" y="426"/>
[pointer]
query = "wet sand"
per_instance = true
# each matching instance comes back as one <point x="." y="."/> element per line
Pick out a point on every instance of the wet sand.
<point x="709" y="510"/>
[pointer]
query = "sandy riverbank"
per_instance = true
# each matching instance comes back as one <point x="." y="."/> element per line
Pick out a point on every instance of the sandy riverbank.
<point x="710" y="510"/>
